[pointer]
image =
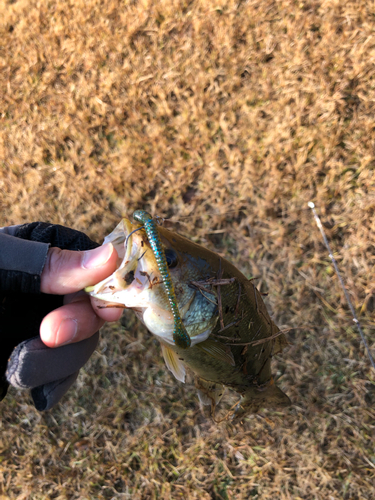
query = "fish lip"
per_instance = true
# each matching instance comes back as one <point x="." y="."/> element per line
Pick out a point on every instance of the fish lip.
<point x="128" y="254"/>
<point x="137" y="294"/>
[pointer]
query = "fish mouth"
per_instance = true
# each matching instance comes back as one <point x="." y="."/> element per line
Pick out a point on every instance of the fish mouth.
<point x="137" y="284"/>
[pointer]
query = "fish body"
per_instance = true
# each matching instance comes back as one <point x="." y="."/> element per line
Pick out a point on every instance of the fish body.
<point x="232" y="335"/>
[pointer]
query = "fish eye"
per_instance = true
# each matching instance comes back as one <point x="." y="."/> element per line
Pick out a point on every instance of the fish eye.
<point x="171" y="257"/>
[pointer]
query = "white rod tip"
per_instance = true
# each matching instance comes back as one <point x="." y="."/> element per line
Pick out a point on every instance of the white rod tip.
<point x="311" y="204"/>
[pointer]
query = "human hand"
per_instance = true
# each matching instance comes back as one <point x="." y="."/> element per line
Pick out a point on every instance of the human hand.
<point x="62" y="315"/>
<point x="67" y="273"/>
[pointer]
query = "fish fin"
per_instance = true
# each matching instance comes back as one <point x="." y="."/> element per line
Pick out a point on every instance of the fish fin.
<point x="209" y="393"/>
<point x="280" y="344"/>
<point x="256" y="398"/>
<point x="217" y="350"/>
<point x="173" y="363"/>
<point x="203" y="399"/>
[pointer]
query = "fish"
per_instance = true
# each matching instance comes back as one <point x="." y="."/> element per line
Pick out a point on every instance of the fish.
<point x="232" y="337"/>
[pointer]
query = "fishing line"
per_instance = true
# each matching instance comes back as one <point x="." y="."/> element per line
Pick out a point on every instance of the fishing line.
<point x="128" y="236"/>
<point x="355" y="319"/>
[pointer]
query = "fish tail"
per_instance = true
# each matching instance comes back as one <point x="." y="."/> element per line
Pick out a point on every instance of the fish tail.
<point x="254" y="399"/>
<point x="209" y="393"/>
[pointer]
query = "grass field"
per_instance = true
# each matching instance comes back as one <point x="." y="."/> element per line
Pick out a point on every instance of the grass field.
<point x="227" y="117"/>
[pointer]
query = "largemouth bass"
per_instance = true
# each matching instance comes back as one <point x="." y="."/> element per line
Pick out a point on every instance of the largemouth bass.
<point x="232" y="337"/>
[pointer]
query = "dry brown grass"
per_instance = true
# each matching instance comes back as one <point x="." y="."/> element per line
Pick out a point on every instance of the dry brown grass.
<point x="200" y="108"/>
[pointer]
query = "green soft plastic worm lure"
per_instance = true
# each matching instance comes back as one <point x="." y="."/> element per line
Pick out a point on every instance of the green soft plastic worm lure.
<point x="180" y="335"/>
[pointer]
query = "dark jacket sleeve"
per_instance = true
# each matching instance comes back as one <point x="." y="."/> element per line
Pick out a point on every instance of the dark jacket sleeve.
<point x="21" y="262"/>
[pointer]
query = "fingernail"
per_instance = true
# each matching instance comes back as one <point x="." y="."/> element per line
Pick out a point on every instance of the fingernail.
<point x="97" y="257"/>
<point x="66" y="332"/>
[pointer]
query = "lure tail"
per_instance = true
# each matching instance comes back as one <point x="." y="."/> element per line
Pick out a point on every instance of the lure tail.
<point x="254" y="399"/>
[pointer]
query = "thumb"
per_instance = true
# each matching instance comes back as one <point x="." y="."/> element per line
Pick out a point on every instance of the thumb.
<point x="67" y="271"/>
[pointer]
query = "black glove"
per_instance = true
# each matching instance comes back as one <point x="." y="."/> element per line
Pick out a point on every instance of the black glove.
<point x="48" y="372"/>
<point x="24" y="360"/>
